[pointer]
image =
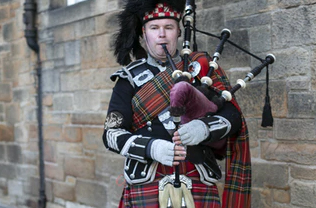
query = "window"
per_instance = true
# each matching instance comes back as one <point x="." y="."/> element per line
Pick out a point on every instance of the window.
<point x="71" y="2"/>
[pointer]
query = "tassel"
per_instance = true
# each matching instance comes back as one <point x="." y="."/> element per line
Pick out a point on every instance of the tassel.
<point x="267" y="119"/>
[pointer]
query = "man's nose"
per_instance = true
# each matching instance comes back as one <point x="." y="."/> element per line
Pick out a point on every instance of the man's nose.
<point x="162" y="32"/>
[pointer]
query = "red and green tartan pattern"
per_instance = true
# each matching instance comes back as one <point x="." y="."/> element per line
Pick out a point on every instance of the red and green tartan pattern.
<point x="152" y="98"/>
<point x="147" y="195"/>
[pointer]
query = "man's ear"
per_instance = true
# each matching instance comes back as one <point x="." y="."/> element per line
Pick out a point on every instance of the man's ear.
<point x="179" y="33"/>
<point x="144" y="33"/>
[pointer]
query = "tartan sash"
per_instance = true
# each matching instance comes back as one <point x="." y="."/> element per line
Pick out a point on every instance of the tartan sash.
<point x="152" y="98"/>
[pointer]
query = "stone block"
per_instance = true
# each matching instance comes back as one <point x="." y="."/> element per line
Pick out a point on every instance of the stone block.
<point x="72" y="53"/>
<point x="292" y="27"/>
<point x="52" y="205"/>
<point x="54" y="171"/>
<point x="313" y="71"/>
<point x="89" y="52"/>
<point x="110" y="163"/>
<point x="69" y="148"/>
<point x="20" y="133"/>
<point x="245" y="8"/>
<point x="302" y="105"/>
<point x="14" y="153"/>
<point x="8" y="171"/>
<point x="2" y="153"/>
<point x="252" y="125"/>
<point x="285" y="60"/>
<point x="88" y="118"/>
<point x="92" y="138"/>
<point x="92" y="194"/>
<point x="211" y="4"/>
<point x="107" y="23"/>
<point x="4" y="13"/>
<point x="79" y="167"/>
<point x="56" y="117"/>
<point x="96" y="52"/>
<point x="260" y="39"/>
<point x="8" y="31"/>
<point x="85" y="27"/>
<point x="5" y="92"/>
<point x="4" y="48"/>
<point x="252" y="21"/>
<point x="303" y="172"/>
<point x="261" y="198"/>
<point x="64" y="191"/>
<point x="27" y="170"/>
<point x="87" y="101"/>
<point x="71" y="81"/>
<point x="72" y="134"/>
<point x="231" y="56"/>
<point x="117" y="189"/>
<point x="43" y="5"/>
<point x="25" y="79"/>
<point x="15" y="188"/>
<point x="303" y="194"/>
<point x="295" y="129"/>
<point x="64" y="33"/>
<point x="251" y="99"/>
<point x="299" y="83"/>
<point x="282" y="196"/>
<point x="289" y="152"/>
<point x="6" y="133"/>
<point x="75" y="205"/>
<point x="63" y="102"/>
<point x="55" y="4"/>
<point x="11" y="68"/>
<point x="101" y="78"/>
<point x="32" y="186"/>
<point x="53" y="132"/>
<point x="69" y="14"/>
<point x="30" y="158"/>
<point x="270" y="175"/>
<point x="21" y="95"/>
<point x="288" y="3"/>
<point x="51" y="81"/>
<point x="50" y="151"/>
<point x="207" y="19"/>
<point x="12" y="114"/>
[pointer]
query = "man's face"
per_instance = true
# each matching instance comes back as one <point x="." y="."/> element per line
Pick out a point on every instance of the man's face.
<point x="161" y="31"/>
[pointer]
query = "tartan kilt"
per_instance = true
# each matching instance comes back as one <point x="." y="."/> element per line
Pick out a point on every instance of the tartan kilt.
<point x="147" y="195"/>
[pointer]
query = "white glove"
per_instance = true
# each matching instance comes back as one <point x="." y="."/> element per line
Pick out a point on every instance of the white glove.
<point x="193" y="133"/>
<point x="162" y="151"/>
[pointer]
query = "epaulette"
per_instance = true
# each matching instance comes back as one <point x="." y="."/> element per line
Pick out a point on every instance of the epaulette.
<point x="136" y="73"/>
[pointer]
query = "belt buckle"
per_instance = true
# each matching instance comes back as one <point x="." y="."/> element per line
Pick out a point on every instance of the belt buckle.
<point x="170" y="179"/>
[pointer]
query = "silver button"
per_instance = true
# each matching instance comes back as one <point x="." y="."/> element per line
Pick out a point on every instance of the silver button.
<point x="149" y="123"/>
<point x="132" y="176"/>
<point x="143" y="173"/>
<point x="149" y="129"/>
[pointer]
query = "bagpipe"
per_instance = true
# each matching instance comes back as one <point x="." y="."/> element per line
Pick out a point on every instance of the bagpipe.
<point x="190" y="101"/>
<point x="178" y="109"/>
